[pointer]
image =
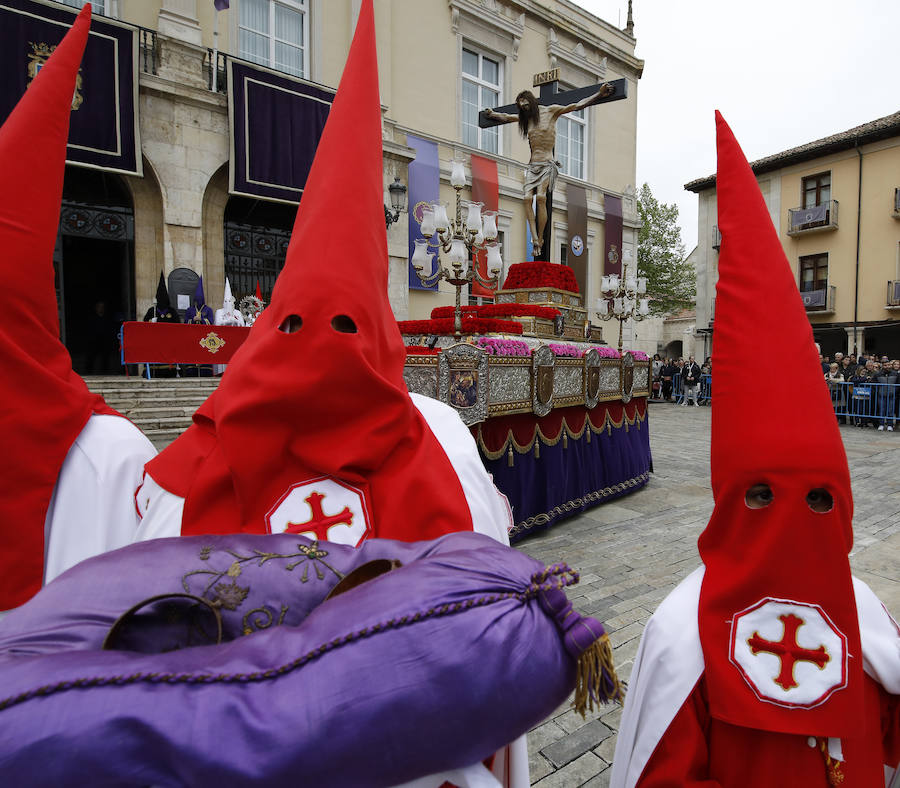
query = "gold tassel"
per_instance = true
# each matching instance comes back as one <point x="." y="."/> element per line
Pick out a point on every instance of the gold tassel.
<point x="592" y="665"/>
<point x="609" y="428"/>
<point x="832" y="767"/>
<point x="537" y="447"/>
<point x="565" y="440"/>
<point x="626" y="426"/>
<point x="509" y="457"/>
<point x="588" y="430"/>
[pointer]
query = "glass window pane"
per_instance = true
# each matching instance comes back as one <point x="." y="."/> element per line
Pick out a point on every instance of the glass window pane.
<point x="490" y="71"/>
<point x="469" y="63"/>
<point x="289" y="58"/>
<point x="489" y="98"/>
<point x="288" y="25"/>
<point x="490" y="140"/>
<point x="255" y="15"/>
<point x="254" y="47"/>
<point x="825" y="194"/>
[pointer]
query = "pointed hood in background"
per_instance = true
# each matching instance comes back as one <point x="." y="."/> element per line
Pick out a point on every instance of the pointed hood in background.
<point x="44" y="404"/>
<point x="786" y="550"/>
<point x="317" y="389"/>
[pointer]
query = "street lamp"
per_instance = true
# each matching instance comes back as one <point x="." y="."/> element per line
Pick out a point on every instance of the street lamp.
<point x="397" y="192"/>
<point x="458" y="238"/>
<point x="623" y="292"/>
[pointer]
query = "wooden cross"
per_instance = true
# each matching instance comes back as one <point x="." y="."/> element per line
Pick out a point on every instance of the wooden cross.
<point x="550" y="95"/>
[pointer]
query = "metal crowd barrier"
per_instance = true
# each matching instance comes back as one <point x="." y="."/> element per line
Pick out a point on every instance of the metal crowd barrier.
<point x="704" y="392"/>
<point x="865" y="403"/>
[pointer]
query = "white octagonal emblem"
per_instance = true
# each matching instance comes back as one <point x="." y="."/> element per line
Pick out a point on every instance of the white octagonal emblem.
<point x="324" y="509"/>
<point x="789" y="653"/>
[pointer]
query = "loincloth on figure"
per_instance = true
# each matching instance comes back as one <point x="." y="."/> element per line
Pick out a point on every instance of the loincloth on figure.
<point x="540" y="176"/>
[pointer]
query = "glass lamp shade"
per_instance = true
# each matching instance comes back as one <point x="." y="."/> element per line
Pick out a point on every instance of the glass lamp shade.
<point x="458" y="251"/>
<point x="441" y="220"/>
<point x="631" y="284"/>
<point x="618" y="306"/>
<point x="602" y="307"/>
<point x="645" y="306"/>
<point x="642" y="284"/>
<point x="494" y="260"/>
<point x="613" y="282"/>
<point x="489" y="226"/>
<point x="604" y="286"/>
<point x="422" y="258"/>
<point x="397" y="192"/>
<point x="457" y="173"/>
<point x="427" y="225"/>
<point x="473" y="218"/>
<point x="479" y="239"/>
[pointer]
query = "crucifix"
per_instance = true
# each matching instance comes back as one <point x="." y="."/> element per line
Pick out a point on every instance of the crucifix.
<point x="537" y="118"/>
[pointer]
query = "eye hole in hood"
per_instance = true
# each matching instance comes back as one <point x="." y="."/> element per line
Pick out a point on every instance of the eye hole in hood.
<point x="343" y="324"/>
<point x="291" y="324"/>
<point x="820" y="500"/>
<point x="759" y="496"/>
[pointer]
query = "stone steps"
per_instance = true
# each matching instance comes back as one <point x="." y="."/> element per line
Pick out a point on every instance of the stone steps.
<point x="162" y="408"/>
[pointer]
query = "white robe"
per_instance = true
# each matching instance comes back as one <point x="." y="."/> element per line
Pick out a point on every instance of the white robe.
<point x="669" y="662"/>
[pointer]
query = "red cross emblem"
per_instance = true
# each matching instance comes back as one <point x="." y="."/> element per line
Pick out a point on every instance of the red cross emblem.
<point x="324" y="508"/>
<point x="319" y="523"/>
<point x="789" y="653"/>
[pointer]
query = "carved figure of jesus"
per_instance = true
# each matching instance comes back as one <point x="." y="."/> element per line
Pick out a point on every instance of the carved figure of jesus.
<point x="537" y="123"/>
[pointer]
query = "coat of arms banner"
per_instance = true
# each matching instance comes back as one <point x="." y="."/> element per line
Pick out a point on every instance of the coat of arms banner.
<point x="103" y="129"/>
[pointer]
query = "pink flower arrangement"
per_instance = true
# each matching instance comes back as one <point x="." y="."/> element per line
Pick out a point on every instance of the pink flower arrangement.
<point x="503" y="347"/>
<point x="608" y="352"/>
<point x="639" y="355"/>
<point x="570" y="351"/>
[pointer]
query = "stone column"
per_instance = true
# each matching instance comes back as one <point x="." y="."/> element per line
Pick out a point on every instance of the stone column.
<point x="178" y="19"/>
<point x="860" y="340"/>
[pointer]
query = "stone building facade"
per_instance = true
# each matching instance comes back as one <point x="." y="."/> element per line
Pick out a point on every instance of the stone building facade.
<point x="836" y="205"/>
<point x="180" y="210"/>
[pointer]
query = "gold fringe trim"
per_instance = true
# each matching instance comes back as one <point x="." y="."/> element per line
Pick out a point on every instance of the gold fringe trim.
<point x="595" y="664"/>
<point x="509" y="457"/>
<point x="565" y="432"/>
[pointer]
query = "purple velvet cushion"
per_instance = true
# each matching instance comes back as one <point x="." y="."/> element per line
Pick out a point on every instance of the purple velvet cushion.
<point x="432" y="666"/>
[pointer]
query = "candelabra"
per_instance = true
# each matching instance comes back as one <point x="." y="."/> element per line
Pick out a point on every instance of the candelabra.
<point x="623" y="292"/>
<point x="459" y="239"/>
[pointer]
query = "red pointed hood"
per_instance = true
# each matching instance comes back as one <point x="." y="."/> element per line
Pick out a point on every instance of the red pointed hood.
<point x="786" y="550"/>
<point x="317" y="390"/>
<point x="44" y="403"/>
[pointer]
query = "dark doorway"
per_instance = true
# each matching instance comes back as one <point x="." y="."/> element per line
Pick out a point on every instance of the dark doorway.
<point x="257" y="233"/>
<point x="94" y="268"/>
<point x="95" y="296"/>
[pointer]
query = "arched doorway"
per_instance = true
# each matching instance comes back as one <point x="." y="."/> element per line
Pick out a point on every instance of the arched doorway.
<point x="257" y="233"/>
<point x="674" y="349"/>
<point x="94" y="270"/>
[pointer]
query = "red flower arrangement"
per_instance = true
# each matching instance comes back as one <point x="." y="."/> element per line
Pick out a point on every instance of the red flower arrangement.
<point x="420" y="350"/>
<point x="470" y="325"/>
<point x="527" y="276"/>
<point x="500" y="310"/>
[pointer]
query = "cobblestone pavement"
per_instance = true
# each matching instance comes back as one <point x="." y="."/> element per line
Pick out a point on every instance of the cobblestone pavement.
<point x="633" y="551"/>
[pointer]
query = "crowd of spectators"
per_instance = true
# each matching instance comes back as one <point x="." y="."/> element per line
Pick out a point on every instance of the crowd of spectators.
<point x="680" y="380"/>
<point x="865" y="390"/>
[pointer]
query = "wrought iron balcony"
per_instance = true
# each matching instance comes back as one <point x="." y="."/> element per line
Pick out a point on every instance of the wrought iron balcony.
<point x="893" y="294"/>
<point x="897" y="203"/>
<point x="716" y="237"/>
<point x="149" y="50"/>
<point x="820" y="301"/>
<point x="816" y="218"/>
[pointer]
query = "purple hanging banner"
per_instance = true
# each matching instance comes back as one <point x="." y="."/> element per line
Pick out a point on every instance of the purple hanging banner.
<point x="103" y="126"/>
<point x="276" y="122"/>
<point x="424" y="185"/>
<point x="613" y="259"/>
<point x="577" y="254"/>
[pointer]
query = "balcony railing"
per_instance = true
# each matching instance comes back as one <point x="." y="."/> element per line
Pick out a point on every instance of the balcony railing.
<point x="818" y="217"/>
<point x="221" y="78"/>
<point x="716" y="237"/>
<point x="149" y="51"/>
<point x="897" y="203"/>
<point x="893" y="293"/>
<point x="821" y="301"/>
